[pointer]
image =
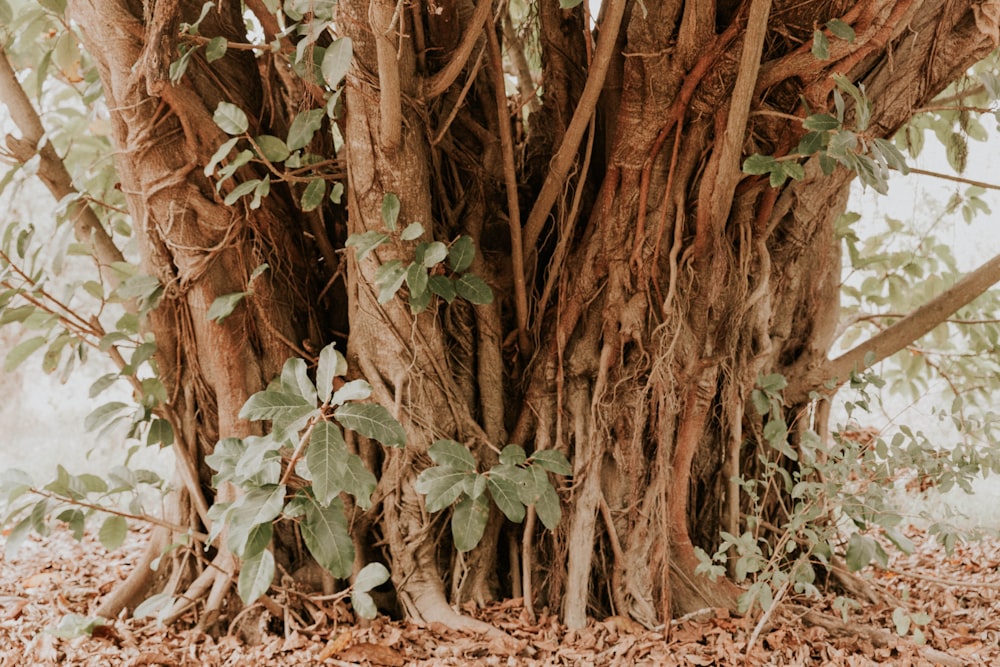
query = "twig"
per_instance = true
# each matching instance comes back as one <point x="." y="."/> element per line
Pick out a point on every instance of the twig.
<point x="956" y="179"/>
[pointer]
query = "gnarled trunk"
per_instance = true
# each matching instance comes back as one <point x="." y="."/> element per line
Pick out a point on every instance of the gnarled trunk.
<point x="642" y="280"/>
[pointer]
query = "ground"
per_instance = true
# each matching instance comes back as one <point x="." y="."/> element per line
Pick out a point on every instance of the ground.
<point x="51" y="577"/>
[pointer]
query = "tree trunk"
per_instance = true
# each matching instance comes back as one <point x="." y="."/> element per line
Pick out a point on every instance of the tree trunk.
<point x="643" y="282"/>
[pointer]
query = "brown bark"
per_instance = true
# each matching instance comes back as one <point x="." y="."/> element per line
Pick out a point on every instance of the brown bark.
<point x="665" y="280"/>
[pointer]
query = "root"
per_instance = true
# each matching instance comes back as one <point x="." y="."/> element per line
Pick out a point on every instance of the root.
<point x="129" y="593"/>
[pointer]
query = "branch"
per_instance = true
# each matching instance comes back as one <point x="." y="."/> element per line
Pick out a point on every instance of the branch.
<point x="563" y="160"/>
<point x="956" y="179"/>
<point x="899" y="335"/>
<point x="52" y="172"/>
<point x="441" y="80"/>
<point x="510" y="180"/>
<point x="383" y="18"/>
<point x="728" y="172"/>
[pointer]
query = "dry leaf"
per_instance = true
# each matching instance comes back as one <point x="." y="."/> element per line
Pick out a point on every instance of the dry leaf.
<point x="373" y="653"/>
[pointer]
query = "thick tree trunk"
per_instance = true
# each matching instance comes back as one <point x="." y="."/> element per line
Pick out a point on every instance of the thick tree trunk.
<point x="653" y="282"/>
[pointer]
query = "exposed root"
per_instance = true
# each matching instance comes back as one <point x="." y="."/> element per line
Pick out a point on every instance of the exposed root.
<point x="129" y="593"/>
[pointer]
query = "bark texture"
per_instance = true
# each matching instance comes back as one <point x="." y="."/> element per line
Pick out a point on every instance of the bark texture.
<point x="642" y="281"/>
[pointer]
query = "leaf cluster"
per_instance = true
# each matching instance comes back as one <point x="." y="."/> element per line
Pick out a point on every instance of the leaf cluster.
<point x="516" y="482"/>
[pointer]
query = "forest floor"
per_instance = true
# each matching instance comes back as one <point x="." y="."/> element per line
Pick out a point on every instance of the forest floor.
<point x="50" y="578"/>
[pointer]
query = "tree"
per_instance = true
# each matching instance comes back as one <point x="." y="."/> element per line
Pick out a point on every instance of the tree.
<point x="538" y="236"/>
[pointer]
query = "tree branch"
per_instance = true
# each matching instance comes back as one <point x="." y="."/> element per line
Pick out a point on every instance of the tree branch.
<point x="383" y="18"/>
<point x="444" y="78"/>
<point x="899" y="335"/>
<point x="956" y="179"/>
<point x="564" y="157"/>
<point x="52" y="172"/>
<point x="513" y="208"/>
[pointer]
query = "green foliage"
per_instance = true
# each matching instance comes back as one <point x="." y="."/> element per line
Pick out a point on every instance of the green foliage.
<point x="426" y="274"/>
<point x="514" y="483"/>
<point x="307" y="419"/>
<point x="834" y="140"/>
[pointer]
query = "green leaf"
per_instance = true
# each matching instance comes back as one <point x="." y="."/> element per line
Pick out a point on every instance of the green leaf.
<point x="22" y="351"/>
<point x="326" y="459"/>
<point x="821" y="45"/>
<point x="811" y="142"/>
<point x="441" y="486"/>
<point x="513" y="455"/>
<point x="244" y="188"/>
<point x="569" y="4"/>
<point x="74" y="625"/>
<point x="419" y="302"/>
<point x="469" y="521"/>
<point x="821" y="122"/>
<point x="413" y="231"/>
<point x="324" y="530"/>
<point x="216" y="48"/>
<point x="355" y="390"/>
<point x="461" y="254"/>
<point x="443" y="287"/>
<point x="256" y="575"/>
<point x="113" y="532"/>
<point x="553" y="461"/>
<point x="102" y="415"/>
<point x="390" y="211"/>
<point x="504" y="494"/>
<point x="359" y="481"/>
<point x="453" y="455"/>
<point x="547" y="507"/>
<point x="366" y="242"/>
<point x="759" y="164"/>
<point x="860" y="552"/>
<point x="219" y="154"/>
<point x="230" y="118"/>
<point x="474" y="289"/>
<point x="364" y="604"/>
<point x="314" y="194"/>
<point x="331" y="364"/>
<point x="389" y="277"/>
<point x="416" y="279"/>
<point x="303" y="128"/>
<point x="272" y="148"/>
<point x="337" y="61"/>
<point x="431" y="254"/>
<point x="160" y="433"/>
<point x="901" y="619"/>
<point x="841" y="29"/>
<point x="336" y="192"/>
<point x="370" y="576"/>
<point x="224" y="305"/>
<point x="372" y="421"/>
<point x="273" y="405"/>
<point x="295" y="379"/>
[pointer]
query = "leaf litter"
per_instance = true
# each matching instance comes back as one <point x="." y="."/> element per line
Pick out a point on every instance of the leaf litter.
<point x="51" y="579"/>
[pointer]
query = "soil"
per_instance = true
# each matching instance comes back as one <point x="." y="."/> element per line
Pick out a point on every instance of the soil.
<point x="51" y="578"/>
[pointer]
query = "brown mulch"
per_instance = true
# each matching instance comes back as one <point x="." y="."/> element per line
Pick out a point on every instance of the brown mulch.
<point x="52" y="577"/>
